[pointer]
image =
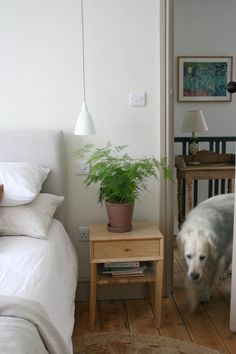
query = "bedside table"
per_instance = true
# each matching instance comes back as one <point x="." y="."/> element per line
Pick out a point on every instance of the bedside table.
<point x="143" y="243"/>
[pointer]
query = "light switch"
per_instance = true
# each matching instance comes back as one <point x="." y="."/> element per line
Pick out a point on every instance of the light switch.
<point x="137" y="98"/>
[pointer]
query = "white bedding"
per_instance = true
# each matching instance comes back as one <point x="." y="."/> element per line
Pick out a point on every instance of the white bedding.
<point x="26" y="328"/>
<point x="44" y="271"/>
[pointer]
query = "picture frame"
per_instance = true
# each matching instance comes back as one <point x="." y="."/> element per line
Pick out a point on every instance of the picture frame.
<point x="204" y="78"/>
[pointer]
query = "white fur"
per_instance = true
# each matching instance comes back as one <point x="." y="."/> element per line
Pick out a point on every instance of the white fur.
<point x="206" y="239"/>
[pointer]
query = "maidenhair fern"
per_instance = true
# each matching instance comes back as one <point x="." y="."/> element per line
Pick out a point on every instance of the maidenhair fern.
<point x="121" y="177"/>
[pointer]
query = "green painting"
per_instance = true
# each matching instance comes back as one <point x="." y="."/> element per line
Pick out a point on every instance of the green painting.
<point x="205" y="79"/>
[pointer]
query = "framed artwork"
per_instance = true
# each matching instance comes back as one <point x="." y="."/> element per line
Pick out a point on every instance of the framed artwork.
<point x="204" y="79"/>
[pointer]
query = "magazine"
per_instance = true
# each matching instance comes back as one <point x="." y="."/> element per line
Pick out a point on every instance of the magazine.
<point x="125" y="271"/>
<point x="134" y="264"/>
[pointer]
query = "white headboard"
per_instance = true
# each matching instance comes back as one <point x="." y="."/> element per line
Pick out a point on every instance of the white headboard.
<point x="44" y="148"/>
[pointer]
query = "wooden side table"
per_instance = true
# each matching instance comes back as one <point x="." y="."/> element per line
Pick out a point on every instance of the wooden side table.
<point x="212" y="166"/>
<point x="143" y="243"/>
<point x="1" y="190"/>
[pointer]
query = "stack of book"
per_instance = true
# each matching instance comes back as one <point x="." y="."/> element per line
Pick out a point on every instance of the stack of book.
<point x="123" y="269"/>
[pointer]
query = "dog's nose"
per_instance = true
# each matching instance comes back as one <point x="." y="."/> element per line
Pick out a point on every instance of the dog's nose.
<point x="194" y="275"/>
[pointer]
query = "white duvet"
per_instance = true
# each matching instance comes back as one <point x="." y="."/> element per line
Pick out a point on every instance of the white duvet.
<point x="26" y="328"/>
<point x="42" y="271"/>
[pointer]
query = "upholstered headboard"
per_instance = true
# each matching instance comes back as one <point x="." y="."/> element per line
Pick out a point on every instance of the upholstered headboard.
<point x="44" y="148"/>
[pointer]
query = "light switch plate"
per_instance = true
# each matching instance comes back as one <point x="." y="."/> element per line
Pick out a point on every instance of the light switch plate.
<point x="137" y="98"/>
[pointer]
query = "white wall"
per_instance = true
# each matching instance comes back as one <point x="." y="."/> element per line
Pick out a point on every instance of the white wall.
<point x="40" y="85"/>
<point x="202" y="28"/>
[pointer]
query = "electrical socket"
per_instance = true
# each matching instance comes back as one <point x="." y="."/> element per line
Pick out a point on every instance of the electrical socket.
<point x="83" y="233"/>
<point x="81" y="167"/>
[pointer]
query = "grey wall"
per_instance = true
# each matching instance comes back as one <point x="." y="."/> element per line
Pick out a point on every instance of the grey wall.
<point x="205" y="28"/>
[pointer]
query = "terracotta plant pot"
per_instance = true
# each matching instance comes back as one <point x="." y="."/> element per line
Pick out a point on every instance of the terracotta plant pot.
<point x="120" y="216"/>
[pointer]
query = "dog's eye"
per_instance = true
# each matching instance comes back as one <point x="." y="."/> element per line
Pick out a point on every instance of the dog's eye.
<point x="188" y="256"/>
<point x="202" y="257"/>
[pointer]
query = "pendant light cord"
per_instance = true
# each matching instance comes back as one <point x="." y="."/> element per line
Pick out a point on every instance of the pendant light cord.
<point x="82" y="33"/>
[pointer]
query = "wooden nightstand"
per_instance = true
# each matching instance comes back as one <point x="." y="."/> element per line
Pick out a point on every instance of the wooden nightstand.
<point x="143" y="243"/>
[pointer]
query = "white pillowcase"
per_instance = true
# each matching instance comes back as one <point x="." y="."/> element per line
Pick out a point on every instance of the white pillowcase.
<point x="22" y="182"/>
<point x="32" y="219"/>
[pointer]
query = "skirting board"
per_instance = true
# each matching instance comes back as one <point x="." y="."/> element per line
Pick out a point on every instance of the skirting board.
<point x="112" y="292"/>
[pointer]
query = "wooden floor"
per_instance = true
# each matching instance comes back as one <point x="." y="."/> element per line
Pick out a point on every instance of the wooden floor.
<point x="208" y="326"/>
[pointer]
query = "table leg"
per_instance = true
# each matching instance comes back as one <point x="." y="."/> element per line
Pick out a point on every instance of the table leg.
<point x="189" y="194"/>
<point x="229" y="186"/>
<point x="180" y="201"/>
<point x="158" y="268"/>
<point x="93" y="290"/>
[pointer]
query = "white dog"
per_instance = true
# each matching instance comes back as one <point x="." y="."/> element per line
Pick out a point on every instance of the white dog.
<point x="206" y="239"/>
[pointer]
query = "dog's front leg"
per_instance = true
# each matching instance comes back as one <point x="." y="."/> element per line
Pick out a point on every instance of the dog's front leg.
<point x="207" y="284"/>
<point x="192" y="294"/>
<point x="205" y="293"/>
<point x="227" y="260"/>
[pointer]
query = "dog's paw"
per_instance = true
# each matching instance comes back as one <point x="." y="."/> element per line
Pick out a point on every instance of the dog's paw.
<point x="203" y="300"/>
<point x="205" y="296"/>
<point x="224" y="275"/>
<point x="192" y="307"/>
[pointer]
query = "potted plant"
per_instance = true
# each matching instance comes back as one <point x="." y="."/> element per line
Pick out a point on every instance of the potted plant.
<point x="121" y="178"/>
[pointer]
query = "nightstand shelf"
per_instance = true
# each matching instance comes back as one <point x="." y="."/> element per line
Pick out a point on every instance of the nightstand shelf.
<point x="144" y="243"/>
<point x="105" y="279"/>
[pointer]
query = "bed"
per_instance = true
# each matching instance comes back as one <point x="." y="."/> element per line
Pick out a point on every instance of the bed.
<point x="38" y="275"/>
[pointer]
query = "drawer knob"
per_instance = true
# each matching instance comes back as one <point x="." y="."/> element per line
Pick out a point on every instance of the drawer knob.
<point x="127" y="249"/>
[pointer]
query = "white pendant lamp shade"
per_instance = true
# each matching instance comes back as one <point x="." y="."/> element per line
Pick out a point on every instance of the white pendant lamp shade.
<point x="84" y="124"/>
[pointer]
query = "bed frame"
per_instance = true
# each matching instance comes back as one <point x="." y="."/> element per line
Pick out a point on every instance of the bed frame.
<point x="43" y="147"/>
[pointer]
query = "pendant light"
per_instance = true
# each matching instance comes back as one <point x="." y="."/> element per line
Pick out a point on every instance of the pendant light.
<point x="84" y="124"/>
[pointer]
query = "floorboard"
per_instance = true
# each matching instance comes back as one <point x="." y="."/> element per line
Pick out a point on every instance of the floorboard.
<point x="140" y="317"/>
<point x="113" y="316"/>
<point x="208" y="325"/>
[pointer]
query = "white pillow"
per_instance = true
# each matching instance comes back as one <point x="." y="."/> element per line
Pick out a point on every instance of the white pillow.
<point x="22" y="182"/>
<point x="32" y="219"/>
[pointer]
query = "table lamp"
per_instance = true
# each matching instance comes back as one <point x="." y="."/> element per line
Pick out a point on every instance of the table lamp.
<point x="194" y="121"/>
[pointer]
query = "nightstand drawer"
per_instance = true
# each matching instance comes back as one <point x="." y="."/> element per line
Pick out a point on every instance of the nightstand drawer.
<point x="126" y="249"/>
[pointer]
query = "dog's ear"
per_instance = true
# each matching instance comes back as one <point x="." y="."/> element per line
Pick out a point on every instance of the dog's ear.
<point x="211" y="238"/>
<point x="180" y="241"/>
